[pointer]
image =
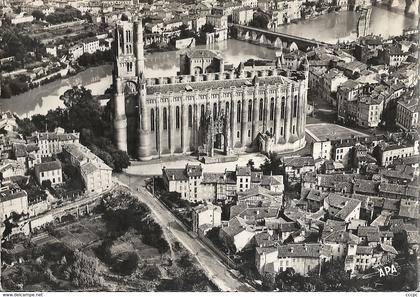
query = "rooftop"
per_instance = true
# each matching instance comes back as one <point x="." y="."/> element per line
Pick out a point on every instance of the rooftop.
<point x="305" y="250"/>
<point x="48" y="166"/>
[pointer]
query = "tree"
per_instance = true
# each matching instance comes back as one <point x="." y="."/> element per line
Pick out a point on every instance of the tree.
<point x="26" y="126"/>
<point x="259" y="21"/>
<point x="151" y="272"/>
<point x="126" y="263"/>
<point x="271" y="164"/>
<point x="121" y="160"/>
<point x="251" y="164"/>
<point x="83" y="271"/>
<point x="39" y="15"/>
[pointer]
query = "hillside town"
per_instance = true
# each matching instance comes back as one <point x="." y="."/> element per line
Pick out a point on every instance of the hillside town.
<point x="289" y="169"/>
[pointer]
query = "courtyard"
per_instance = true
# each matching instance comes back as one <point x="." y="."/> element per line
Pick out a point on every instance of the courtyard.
<point x="324" y="131"/>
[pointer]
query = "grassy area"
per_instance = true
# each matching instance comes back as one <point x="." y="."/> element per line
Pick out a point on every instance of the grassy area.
<point x="118" y="248"/>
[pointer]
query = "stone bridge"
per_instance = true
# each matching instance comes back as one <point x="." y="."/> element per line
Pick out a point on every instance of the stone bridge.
<point x="272" y="39"/>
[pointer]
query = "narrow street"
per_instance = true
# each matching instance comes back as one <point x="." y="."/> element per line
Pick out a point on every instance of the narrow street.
<point x="213" y="267"/>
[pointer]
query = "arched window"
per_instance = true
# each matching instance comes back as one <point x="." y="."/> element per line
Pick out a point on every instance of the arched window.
<point x="202" y="113"/>
<point x="152" y="119"/>
<point x="238" y="112"/>
<point x="165" y="119"/>
<point x="295" y="102"/>
<point x="283" y="106"/>
<point x="272" y="109"/>
<point x="250" y="111"/>
<point x="215" y="111"/>
<point x="177" y="121"/>
<point x="261" y="110"/>
<point x="190" y="120"/>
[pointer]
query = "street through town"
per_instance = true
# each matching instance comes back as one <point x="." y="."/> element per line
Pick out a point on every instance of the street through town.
<point x="213" y="267"/>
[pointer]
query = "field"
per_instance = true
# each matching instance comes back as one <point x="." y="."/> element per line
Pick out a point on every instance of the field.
<point x="117" y="248"/>
<point x="324" y="131"/>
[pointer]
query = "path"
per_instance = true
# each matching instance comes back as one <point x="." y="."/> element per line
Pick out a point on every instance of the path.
<point x="214" y="269"/>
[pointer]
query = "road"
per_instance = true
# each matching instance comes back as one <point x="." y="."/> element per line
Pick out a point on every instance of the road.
<point x="213" y="267"/>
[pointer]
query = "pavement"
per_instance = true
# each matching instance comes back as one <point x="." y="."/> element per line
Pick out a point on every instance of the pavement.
<point x="208" y="260"/>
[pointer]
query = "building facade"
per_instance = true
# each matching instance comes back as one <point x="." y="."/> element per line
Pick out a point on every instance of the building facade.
<point x="217" y="110"/>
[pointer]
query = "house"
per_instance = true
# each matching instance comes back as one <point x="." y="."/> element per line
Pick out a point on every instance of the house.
<point x="369" y="235"/>
<point x="301" y="257"/>
<point x="243" y="15"/>
<point x="393" y="56"/>
<point x="407" y="116"/>
<point x="51" y="143"/>
<point x="195" y="185"/>
<point x="95" y="174"/>
<point x="12" y="200"/>
<point x="342" y="208"/>
<point x="90" y="45"/>
<point x="237" y="235"/>
<point x="49" y="171"/>
<point x="339" y="241"/>
<point x="206" y="217"/>
<point x="259" y="196"/>
<point x="21" y="18"/>
<point x="295" y="167"/>
<point x="184" y="181"/>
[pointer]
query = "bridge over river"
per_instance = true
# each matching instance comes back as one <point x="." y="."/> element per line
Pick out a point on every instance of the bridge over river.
<point x="272" y="39"/>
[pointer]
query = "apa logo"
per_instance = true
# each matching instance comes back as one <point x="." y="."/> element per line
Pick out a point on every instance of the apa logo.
<point x="387" y="270"/>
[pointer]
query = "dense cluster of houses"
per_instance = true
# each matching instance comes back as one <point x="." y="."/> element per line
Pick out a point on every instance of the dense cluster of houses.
<point x="358" y="204"/>
<point x="40" y="158"/>
<point x="364" y="79"/>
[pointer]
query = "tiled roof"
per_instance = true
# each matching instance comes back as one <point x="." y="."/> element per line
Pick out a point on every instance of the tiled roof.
<point x="365" y="186"/>
<point x="215" y="84"/>
<point x="288" y="227"/>
<point x="48" y="166"/>
<point x="175" y="174"/>
<point x="20" y="150"/>
<point x="298" y="162"/>
<point x="14" y="192"/>
<point x="370" y="232"/>
<point x="406" y="190"/>
<point x="308" y="250"/>
<point x="234" y="227"/>
<point x="268" y="180"/>
<point x="235" y="210"/>
<point x="341" y="237"/>
<point x="243" y="171"/>
<point x="364" y="250"/>
<point x="259" y="213"/>
<point x="409" y="209"/>
<point x="316" y="195"/>
<point x="88" y="168"/>
<point x="256" y="176"/>
<point x="212" y="178"/>
<point x="56" y="136"/>
<point x="345" y="204"/>
<point x="194" y="170"/>
<point x="391" y="204"/>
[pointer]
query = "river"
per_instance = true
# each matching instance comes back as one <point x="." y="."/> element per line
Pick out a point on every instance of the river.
<point x="328" y="28"/>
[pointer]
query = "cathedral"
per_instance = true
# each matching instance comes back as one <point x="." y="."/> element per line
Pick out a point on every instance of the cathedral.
<point x="206" y="108"/>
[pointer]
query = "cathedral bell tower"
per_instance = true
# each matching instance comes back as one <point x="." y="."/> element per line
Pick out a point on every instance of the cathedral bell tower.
<point x="128" y="74"/>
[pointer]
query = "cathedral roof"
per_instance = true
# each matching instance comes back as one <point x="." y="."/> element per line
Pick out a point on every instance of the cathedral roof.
<point x="214" y="84"/>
